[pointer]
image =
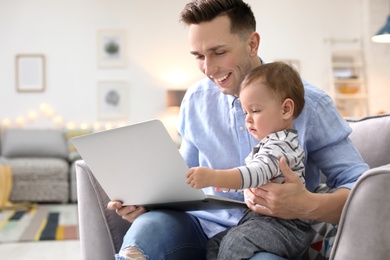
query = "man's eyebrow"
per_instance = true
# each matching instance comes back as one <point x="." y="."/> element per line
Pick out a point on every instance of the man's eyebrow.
<point x="212" y="49"/>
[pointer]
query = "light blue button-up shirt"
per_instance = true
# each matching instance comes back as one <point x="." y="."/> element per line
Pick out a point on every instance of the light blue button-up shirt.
<point x="212" y="126"/>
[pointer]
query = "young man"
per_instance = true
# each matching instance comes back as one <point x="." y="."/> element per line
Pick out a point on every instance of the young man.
<point x="224" y="42"/>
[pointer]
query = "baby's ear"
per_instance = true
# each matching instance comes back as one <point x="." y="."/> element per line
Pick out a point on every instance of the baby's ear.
<point x="288" y="108"/>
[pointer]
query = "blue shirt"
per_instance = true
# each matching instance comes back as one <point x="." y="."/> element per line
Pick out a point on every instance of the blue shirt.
<point x="212" y="126"/>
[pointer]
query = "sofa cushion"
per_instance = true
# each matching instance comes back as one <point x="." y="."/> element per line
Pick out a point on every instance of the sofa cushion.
<point x="39" y="169"/>
<point x="34" y="143"/>
<point x="371" y="136"/>
<point x="69" y="134"/>
<point x="39" y="179"/>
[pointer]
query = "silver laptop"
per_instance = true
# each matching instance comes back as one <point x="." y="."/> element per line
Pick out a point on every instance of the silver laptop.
<point x="140" y="164"/>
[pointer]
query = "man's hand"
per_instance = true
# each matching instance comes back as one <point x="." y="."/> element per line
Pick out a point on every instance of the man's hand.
<point x="289" y="200"/>
<point x="129" y="213"/>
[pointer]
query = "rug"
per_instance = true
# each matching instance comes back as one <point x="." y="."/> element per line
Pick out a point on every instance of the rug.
<point x="39" y="222"/>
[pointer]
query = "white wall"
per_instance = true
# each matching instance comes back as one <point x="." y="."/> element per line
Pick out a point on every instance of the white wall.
<point x="378" y="58"/>
<point x="299" y="29"/>
<point x="65" y="32"/>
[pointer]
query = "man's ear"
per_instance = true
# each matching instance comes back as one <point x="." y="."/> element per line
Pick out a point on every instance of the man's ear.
<point x="254" y="42"/>
<point x="288" y="108"/>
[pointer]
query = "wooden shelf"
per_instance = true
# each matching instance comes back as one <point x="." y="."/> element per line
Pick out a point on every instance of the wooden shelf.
<point x="348" y="81"/>
<point x="352" y="96"/>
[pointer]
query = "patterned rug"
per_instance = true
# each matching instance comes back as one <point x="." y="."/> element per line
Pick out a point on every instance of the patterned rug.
<point x="39" y="222"/>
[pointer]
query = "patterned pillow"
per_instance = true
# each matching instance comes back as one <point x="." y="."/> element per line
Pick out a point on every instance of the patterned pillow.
<point x="73" y="154"/>
<point x="322" y="244"/>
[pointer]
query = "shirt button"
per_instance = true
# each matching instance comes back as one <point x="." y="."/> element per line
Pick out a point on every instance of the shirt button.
<point x="242" y="128"/>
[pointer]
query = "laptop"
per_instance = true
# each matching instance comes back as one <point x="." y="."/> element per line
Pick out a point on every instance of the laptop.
<point x="140" y="165"/>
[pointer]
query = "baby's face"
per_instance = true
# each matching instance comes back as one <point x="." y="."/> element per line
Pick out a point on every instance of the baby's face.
<point x="263" y="110"/>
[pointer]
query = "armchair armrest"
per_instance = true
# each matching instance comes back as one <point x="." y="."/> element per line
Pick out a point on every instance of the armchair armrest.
<point x="363" y="232"/>
<point x="101" y="230"/>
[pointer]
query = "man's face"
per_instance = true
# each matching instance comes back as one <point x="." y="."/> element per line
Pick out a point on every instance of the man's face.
<point x="222" y="56"/>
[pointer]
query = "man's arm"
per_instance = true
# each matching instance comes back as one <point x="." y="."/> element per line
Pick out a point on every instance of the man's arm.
<point x="292" y="200"/>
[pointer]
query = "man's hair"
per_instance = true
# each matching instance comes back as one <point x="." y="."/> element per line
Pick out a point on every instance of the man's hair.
<point x="282" y="80"/>
<point x="240" y="14"/>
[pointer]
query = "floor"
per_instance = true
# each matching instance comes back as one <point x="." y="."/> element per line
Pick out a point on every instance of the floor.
<point x="43" y="250"/>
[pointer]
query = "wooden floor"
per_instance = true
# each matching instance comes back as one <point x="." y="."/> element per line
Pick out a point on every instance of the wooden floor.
<point x="43" y="250"/>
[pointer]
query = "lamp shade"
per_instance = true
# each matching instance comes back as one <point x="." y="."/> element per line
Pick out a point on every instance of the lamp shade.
<point x="174" y="97"/>
<point x="383" y="35"/>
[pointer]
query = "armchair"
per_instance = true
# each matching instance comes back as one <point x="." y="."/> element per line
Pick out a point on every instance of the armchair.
<point x="362" y="232"/>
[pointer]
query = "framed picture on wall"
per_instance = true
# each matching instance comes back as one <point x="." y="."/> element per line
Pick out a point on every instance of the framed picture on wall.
<point x="113" y="101"/>
<point x="30" y="72"/>
<point x="111" y="48"/>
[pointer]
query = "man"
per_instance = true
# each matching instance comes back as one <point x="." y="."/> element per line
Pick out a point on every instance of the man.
<point x="224" y="42"/>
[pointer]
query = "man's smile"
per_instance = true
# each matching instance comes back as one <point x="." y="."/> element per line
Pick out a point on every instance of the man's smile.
<point x="221" y="79"/>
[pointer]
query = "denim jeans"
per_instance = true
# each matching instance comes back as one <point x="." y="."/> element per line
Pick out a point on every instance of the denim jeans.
<point x="166" y="234"/>
<point x="171" y="235"/>
<point x="267" y="256"/>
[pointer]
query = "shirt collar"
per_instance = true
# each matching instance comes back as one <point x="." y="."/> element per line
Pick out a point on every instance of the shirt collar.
<point x="231" y="100"/>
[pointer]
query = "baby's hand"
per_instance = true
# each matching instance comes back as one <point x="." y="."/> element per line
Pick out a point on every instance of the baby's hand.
<point x="200" y="177"/>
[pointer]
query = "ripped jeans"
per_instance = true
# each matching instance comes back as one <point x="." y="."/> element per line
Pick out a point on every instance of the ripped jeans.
<point x="165" y="234"/>
<point x="170" y="235"/>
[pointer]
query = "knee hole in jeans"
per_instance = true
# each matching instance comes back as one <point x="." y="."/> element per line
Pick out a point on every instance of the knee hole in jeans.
<point x="132" y="253"/>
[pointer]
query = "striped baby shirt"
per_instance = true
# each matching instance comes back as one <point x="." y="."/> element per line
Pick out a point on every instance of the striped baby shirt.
<point x="262" y="164"/>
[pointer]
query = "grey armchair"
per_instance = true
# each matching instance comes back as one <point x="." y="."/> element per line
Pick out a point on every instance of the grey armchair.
<point x="363" y="232"/>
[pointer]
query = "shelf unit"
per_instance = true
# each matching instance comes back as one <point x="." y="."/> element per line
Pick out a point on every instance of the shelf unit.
<point x="348" y="79"/>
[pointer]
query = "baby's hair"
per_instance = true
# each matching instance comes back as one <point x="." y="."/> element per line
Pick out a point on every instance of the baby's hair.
<point x="282" y="80"/>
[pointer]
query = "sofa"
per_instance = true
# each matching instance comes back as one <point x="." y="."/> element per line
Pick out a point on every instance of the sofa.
<point x="42" y="164"/>
<point x="362" y="232"/>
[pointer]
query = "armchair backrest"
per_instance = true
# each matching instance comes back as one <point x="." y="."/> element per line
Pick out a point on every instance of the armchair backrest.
<point x="363" y="231"/>
<point x="371" y="136"/>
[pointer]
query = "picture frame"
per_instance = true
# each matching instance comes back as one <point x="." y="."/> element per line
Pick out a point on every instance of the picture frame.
<point x="111" y="48"/>
<point x="113" y="101"/>
<point x="30" y="73"/>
